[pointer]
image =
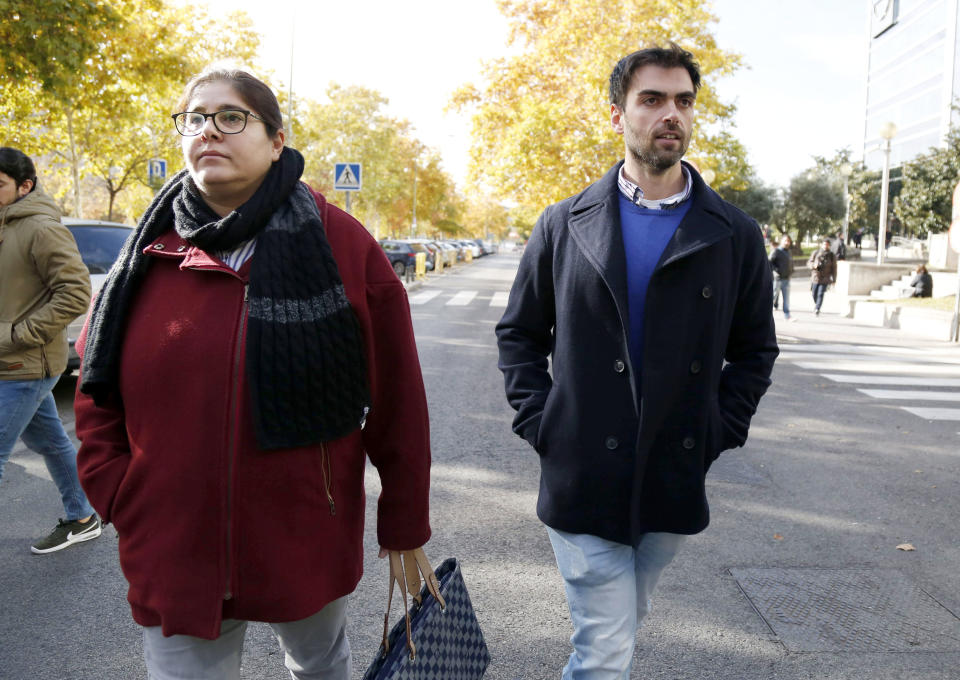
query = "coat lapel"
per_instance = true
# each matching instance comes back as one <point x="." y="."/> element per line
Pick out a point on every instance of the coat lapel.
<point x="704" y="224"/>
<point x="595" y="227"/>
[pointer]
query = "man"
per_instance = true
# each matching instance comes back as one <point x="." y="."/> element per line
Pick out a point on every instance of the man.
<point x="44" y="285"/>
<point x="781" y="262"/>
<point x="639" y="289"/>
<point x="839" y="247"/>
<point x="823" y="272"/>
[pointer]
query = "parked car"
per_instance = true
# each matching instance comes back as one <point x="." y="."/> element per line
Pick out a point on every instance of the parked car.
<point x="99" y="244"/>
<point x="449" y="253"/>
<point x="474" y="246"/>
<point x="403" y="254"/>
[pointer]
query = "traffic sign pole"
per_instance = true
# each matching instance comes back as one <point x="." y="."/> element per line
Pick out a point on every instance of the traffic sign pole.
<point x="954" y="242"/>
<point x="346" y="178"/>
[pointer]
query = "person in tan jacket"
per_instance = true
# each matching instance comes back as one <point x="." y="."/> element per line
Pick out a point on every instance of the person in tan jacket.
<point x="44" y="285"/>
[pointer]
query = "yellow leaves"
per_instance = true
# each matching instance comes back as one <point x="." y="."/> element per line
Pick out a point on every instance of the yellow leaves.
<point x="906" y="547"/>
<point x="541" y="127"/>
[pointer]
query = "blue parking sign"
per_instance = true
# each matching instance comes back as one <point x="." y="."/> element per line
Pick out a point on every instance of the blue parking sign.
<point x="156" y="170"/>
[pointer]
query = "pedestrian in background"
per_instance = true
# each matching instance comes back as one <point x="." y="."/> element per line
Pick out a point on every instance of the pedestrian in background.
<point x="44" y="285"/>
<point x="922" y="283"/>
<point x="839" y="248"/>
<point x="781" y="263"/>
<point x="823" y="272"/>
<point x="251" y="346"/>
<point x="635" y="347"/>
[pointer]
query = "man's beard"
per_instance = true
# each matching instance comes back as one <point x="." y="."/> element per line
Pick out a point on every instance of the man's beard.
<point x="658" y="160"/>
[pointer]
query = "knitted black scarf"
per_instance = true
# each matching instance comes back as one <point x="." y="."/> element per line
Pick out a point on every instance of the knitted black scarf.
<point x="305" y="358"/>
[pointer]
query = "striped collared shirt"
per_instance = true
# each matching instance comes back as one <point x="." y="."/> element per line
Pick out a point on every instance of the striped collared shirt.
<point x="634" y="193"/>
<point x="236" y="257"/>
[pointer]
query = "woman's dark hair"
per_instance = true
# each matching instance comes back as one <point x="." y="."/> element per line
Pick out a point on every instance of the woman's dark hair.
<point x="673" y="56"/>
<point x="18" y="166"/>
<point x="257" y="94"/>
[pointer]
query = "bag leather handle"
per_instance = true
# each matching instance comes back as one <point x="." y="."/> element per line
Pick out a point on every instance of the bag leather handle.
<point x="405" y="569"/>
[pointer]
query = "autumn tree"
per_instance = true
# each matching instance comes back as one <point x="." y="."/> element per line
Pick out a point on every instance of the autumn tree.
<point x="401" y="176"/>
<point x="541" y="128"/>
<point x="49" y="41"/>
<point x="111" y="114"/>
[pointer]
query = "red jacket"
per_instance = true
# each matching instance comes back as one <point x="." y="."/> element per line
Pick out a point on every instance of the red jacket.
<point x="210" y="525"/>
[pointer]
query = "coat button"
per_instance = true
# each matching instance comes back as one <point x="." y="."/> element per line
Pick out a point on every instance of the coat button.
<point x="180" y="249"/>
<point x="158" y="246"/>
<point x="619" y="366"/>
<point x="707" y="292"/>
<point x="612" y="443"/>
<point x="695" y="366"/>
<point x="689" y="443"/>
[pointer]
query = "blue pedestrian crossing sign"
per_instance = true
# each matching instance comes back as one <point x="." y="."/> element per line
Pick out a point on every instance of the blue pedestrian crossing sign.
<point x="346" y="176"/>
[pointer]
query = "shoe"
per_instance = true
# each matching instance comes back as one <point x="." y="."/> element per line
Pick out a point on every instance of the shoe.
<point x="67" y="534"/>
<point x="816" y="312"/>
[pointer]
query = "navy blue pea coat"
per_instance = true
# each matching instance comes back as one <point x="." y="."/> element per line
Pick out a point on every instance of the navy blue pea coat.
<point x="624" y="449"/>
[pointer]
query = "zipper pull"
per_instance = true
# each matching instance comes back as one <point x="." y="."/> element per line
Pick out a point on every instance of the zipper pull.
<point x="246" y="290"/>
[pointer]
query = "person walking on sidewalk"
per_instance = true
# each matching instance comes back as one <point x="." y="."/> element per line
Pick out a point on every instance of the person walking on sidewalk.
<point x="44" y="285"/>
<point x="250" y="348"/>
<point x="781" y="262"/>
<point x="636" y="344"/>
<point x="823" y="272"/>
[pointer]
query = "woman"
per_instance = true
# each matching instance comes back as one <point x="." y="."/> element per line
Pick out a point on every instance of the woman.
<point x="44" y="285"/>
<point x="921" y="283"/>
<point x="251" y="344"/>
<point x="823" y="272"/>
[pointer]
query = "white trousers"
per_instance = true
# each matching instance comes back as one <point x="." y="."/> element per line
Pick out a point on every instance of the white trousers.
<point x="315" y="648"/>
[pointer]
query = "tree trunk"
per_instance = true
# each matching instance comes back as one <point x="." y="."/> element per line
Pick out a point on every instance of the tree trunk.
<point x="75" y="166"/>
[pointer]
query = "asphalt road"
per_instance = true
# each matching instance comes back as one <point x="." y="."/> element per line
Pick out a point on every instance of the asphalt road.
<point x="798" y="576"/>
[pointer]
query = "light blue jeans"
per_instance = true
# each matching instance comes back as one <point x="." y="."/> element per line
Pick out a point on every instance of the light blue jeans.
<point x="315" y="648"/>
<point x="28" y="411"/>
<point x="782" y="287"/>
<point x="609" y="586"/>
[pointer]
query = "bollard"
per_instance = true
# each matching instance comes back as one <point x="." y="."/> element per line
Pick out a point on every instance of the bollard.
<point x="421" y="267"/>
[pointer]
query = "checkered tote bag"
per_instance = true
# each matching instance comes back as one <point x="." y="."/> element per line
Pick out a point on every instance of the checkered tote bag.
<point x="439" y="637"/>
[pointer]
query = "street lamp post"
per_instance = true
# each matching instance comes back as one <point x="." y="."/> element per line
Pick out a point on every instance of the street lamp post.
<point x="413" y="225"/>
<point x="846" y="170"/>
<point x="887" y="131"/>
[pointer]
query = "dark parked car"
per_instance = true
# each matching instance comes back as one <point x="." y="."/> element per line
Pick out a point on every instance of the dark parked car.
<point x="403" y="254"/>
<point x="99" y="244"/>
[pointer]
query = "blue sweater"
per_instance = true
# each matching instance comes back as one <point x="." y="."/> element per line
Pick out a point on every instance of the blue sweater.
<point x="646" y="233"/>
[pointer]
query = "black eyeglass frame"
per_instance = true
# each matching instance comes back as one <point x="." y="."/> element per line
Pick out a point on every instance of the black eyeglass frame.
<point x="246" y="117"/>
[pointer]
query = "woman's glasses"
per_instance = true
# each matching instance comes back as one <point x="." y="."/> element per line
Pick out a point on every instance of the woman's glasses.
<point x="227" y="121"/>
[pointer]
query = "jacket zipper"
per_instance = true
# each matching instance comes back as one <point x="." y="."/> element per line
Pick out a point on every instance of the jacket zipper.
<point x="231" y="449"/>
<point x="327" y="476"/>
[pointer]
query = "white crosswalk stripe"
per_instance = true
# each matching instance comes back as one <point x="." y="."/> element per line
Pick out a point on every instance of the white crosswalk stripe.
<point x="890" y="374"/>
<point x="425" y="297"/>
<point x="462" y="299"/>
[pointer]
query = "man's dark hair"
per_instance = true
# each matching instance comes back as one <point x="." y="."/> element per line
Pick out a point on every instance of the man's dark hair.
<point x="18" y="166"/>
<point x="673" y="56"/>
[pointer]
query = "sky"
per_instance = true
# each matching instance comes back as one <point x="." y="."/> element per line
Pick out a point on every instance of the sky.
<point x="801" y="94"/>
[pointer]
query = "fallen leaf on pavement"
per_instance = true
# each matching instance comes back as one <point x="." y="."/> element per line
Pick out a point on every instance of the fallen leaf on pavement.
<point x="777" y="537"/>
<point x="906" y="547"/>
